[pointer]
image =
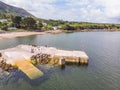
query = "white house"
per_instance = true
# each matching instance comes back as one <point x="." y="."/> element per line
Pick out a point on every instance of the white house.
<point x="44" y="24"/>
<point x="56" y="27"/>
<point x="12" y="28"/>
<point x="3" y="20"/>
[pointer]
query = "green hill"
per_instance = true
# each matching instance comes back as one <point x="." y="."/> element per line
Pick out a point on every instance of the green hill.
<point x="8" y="9"/>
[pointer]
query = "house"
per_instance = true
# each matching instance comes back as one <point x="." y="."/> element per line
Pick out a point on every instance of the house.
<point x="12" y="28"/>
<point x="44" y="24"/>
<point x="56" y="27"/>
<point x="3" y="20"/>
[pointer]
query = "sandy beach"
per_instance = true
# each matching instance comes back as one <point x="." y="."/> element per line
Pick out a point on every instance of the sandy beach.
<point x="21" y="34"/>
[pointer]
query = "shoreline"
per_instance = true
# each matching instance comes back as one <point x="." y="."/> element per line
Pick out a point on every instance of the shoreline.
<point x="8" y="35"/>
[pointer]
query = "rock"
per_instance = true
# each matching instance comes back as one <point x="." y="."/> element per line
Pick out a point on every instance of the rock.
<point x="41" y="58"/>
<point x="4" y="65"/>
<point x="0" y="54"/>
<point x="6" y="73"/>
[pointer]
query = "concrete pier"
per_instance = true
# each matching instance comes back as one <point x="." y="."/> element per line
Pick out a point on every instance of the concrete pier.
<point x="57" y="54"/>
<point x="19" y="54"/>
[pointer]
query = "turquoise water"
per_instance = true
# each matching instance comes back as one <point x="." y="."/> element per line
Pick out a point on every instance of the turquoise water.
<point x="102" y="73"/>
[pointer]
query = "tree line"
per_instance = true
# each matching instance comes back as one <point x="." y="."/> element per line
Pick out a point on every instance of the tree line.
<point x="31" y="23"/>
<point x="27" y="23"/>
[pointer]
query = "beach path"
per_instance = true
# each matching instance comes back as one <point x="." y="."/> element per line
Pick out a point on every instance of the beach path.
<point x="30" y="70"/>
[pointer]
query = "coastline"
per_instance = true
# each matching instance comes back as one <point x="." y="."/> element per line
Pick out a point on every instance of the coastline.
<point x="8" y="35"/>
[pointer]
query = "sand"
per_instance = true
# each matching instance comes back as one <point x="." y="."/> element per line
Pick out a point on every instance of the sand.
<point x="22" y="34"/>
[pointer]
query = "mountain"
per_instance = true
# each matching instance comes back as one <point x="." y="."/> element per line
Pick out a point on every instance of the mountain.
<point x="5" y="8"/>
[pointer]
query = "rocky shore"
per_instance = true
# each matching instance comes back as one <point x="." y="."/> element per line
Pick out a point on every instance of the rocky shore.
<point x="3" y="65"/>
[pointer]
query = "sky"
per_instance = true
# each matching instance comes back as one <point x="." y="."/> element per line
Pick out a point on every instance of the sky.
<point x="100" y="11"/>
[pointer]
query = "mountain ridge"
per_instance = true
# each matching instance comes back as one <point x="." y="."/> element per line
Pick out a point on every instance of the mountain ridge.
<point x="5" y="8"/>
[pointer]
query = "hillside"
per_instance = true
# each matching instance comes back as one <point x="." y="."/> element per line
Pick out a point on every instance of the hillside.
<point x="5" y="8"/>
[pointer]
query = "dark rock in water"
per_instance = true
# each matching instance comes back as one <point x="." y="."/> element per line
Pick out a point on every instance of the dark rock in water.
<point x="34" y="45"/>
<point x="4" y="65"/>
<point x="0" y="54"/>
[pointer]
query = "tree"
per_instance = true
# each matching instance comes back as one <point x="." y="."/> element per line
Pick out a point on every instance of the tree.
<point x="48" y="27"/>
<point x="29" y="23"/>
<point x="17" y="21"/>
<point x="68" y="27"/>
<point x="4" y="26"/>
<point x="40" y="25"/>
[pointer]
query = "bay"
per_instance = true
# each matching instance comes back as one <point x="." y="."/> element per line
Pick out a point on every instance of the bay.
<point x="102" y="72"/>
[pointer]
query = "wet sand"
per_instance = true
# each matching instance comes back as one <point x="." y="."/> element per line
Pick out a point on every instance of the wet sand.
<point x="21" y="34"/>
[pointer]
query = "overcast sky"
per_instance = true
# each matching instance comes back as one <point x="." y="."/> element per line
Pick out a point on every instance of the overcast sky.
<point x="104" y="11"/>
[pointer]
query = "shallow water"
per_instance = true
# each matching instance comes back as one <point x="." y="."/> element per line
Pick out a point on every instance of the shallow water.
<point x="102" y="73"/>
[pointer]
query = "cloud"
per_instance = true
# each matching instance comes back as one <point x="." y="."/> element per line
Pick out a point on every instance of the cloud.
<point x="105" y="11"/>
